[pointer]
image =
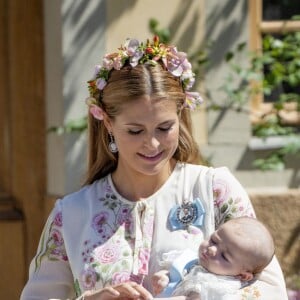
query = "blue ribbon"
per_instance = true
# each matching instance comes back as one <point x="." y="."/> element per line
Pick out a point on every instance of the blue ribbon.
<point x="197" y="219"/>
<point x="180" y="266"/>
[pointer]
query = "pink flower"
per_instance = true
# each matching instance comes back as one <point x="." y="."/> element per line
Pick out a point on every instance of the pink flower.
<point x="176" y="62"/>
<point x="59" y="253"/>
<point x="120" y="277"/>
<point x="132" y="46"/>
<point x="144" y="256"/>
<point x="107" y="63"/>
<point x="58" y="219"/>
<point x="96" y="71"/>
<point x="221" y="192"/>
<point x="188" y="79"/>
<point x="89" y="278"/>
<point x="57" y="237"/>
<point x="107" y="254"/>
<point x="192" y="100"/>
<point x="100" y="220"/>
<point x="134" y="52"/>
<point x="101" y="83"/>
<point x="118" y="62"/>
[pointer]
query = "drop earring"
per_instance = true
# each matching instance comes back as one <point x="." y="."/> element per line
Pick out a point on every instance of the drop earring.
<point x="112" y="144"/>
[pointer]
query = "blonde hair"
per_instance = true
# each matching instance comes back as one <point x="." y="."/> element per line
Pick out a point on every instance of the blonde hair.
<point x="124" y="87"/>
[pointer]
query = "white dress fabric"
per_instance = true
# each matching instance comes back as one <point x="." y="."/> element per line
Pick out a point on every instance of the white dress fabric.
<point x="209" y="286"/>
<point x="95" y="237"/>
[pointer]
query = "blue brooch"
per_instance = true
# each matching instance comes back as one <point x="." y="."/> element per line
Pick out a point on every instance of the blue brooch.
<point x="186" y="214"/>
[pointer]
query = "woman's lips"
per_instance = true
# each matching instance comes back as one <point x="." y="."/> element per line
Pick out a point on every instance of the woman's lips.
<point x="151" y="157"/>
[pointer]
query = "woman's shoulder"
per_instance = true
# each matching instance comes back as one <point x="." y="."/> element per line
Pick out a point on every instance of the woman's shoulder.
<point x="85" y="196"/>
<point x="195" y="169"/>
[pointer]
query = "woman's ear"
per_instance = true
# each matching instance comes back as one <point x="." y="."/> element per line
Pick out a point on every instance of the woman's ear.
<point x="245" y="276"/>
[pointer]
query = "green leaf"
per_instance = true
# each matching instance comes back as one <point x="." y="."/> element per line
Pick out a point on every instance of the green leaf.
<point x="273" y="163"/>
<point x="224" y="208"/>
<point x="228" y="56"/>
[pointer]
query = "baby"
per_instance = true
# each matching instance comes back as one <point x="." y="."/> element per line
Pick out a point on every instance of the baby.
<point x="238" y="249"/>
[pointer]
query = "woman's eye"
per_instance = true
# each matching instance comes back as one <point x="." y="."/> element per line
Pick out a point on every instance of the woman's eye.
<point x="134" y="132"/>
<point x="165" y="128"/>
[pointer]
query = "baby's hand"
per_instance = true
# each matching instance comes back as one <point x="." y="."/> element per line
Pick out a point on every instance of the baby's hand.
<point x="160" y="280"/>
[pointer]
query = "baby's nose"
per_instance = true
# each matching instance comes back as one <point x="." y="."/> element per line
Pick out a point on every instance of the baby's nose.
<point x="212" y="250"/>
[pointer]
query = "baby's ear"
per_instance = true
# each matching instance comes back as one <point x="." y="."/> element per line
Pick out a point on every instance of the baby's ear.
<point x="245" y="276"/>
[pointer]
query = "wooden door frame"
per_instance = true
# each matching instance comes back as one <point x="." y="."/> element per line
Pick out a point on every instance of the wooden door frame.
<point x="22" y="119"/>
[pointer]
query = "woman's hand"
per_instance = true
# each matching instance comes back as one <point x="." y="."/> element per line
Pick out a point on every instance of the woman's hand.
<point x="126" y="290"/>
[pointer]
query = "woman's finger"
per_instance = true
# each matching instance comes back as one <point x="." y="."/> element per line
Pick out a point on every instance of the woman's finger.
<point x="144" y="294"/>
<point x="133" y="290"/>
<point x="106" y="293"/>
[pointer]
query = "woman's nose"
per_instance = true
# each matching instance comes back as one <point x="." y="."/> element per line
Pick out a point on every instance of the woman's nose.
<point x="212" y="250"/>
<point x="152" y="141"/>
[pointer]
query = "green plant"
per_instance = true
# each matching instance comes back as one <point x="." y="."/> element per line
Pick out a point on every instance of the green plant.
<point x="278" y="68"/>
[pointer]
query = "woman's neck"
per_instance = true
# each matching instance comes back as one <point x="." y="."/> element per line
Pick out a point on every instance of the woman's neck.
<point x="136" y="186"/>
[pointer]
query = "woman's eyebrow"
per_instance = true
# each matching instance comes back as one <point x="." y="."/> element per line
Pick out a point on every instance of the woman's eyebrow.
<point x="140" y="124"/>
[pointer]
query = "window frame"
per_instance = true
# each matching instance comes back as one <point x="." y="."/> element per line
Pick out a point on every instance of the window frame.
<point x="258" y="27"/>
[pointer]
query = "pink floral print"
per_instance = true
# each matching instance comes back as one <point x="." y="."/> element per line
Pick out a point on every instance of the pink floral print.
<point x="107" y="254"/>
<point x="228" y="203"/>
<point x="221" y="192"/>
<point x="89" y="278"/>
<point x="58" y="219"/>
<point x="53" y="247"/>
<point x="57" y="237"/>
<point x="144" y="256"/>
<point x="120" y="277"/>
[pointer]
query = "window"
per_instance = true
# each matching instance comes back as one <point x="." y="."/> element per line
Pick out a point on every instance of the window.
<point x="273" y="19"/>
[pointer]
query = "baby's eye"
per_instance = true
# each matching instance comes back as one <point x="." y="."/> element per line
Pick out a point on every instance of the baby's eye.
<point x="224" y="257"/>
<point x="212" y="241"/>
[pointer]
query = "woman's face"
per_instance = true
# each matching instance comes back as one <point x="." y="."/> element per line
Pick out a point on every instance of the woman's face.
<point x="146" y="133"/>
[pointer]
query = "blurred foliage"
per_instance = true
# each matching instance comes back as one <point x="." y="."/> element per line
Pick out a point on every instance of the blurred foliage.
<point x="76" y="125"/>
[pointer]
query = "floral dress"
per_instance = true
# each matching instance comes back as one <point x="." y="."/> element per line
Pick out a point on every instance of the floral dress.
<point x="95" y="237"/>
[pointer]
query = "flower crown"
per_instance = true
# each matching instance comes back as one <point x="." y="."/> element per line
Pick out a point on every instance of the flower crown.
<point x="134" y="53"/>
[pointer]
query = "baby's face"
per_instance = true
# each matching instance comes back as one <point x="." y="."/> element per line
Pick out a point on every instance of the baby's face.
<point x="223" y="253"/>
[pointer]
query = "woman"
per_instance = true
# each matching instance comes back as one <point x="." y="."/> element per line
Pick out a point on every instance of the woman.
<point x="145" y="192"/>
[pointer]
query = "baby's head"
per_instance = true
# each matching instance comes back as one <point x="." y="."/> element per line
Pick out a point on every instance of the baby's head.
<point x="241" y="247"/>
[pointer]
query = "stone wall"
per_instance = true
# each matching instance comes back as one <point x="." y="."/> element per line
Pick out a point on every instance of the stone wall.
<point x="281" y="213"/>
